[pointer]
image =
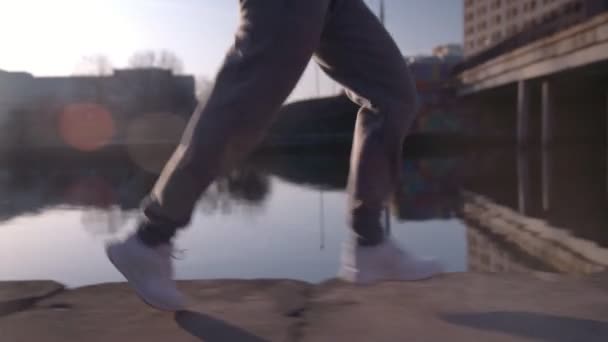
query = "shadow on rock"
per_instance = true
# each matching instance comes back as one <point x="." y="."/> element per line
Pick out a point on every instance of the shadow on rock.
<point x="537" y="326"/>
<point x="211" y="329"/>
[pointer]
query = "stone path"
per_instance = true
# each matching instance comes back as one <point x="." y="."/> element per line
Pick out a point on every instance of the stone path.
<point x="456" y="307"/>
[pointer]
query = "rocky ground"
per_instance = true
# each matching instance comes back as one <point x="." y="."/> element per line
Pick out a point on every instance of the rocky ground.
<point x="456" y="307"/>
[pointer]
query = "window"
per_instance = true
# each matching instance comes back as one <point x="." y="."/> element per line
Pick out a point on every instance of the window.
<point x="554" y="14"/>
<point x="529" y="6"/>
<point x="573" y="7"/>
<point x="511" y="30"/>
<point x="482" y="41"/>
<point x="512" y="12"/>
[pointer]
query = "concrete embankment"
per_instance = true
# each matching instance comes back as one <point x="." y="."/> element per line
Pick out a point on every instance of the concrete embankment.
<point x="456" y="307"/>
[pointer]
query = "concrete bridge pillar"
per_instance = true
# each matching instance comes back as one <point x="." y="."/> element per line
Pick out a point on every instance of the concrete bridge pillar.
<point x="547" y="113"/>
<point x="546" y="177"/>
<point x="606" y="151"/>
<point x="547" y="117"/>
<point x="523" y="112"/>
<point x="523" y="182"/>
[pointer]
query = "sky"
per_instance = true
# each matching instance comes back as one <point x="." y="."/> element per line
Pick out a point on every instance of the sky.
<point x="47" y="37"/>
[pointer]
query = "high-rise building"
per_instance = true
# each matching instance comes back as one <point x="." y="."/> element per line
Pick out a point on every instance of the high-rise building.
<point x="487" y="22"/>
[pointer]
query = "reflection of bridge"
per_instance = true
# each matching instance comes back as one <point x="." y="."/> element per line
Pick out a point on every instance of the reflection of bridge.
<point x="544" y="247"/>
<point x="490" y="252"/>
<point x="549" y="209"/>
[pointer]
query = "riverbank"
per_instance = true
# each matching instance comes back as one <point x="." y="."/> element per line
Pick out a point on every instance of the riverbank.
<point x="455" y="307"/>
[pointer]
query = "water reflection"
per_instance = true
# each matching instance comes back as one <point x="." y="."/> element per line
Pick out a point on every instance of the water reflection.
<point x="559" y="216"/>
<point x="566" y="187"/>
<point x="245" y="187"/>
<point x="28" y="191"/>
<point x="283" y="215"/>
<point x="430" y="189"/>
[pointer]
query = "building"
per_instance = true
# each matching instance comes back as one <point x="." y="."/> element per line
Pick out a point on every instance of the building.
<point x="448" y="50"/>
<point x="31" y="107"/>
<point x="129" y="89"/>
<point x="433" y="73"/>
<point x="488" y="22"/>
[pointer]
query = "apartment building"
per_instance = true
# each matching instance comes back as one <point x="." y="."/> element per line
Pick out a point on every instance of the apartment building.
<point x="487" y="22"/>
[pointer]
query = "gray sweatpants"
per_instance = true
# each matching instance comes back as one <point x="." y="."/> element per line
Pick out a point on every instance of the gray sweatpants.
<point x="273" y="45"/>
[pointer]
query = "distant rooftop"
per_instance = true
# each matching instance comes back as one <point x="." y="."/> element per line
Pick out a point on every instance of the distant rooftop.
<point x="450" y="53"/>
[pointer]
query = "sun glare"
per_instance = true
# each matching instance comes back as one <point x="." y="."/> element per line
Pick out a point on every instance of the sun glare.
<point x="50" y="37"/>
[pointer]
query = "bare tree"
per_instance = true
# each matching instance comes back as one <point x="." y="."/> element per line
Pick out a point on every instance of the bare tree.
<point x="94" y="65"/>
<point x="142" y="59"/>
<point x="168" y="60"/>
<point x="163" y="59"/>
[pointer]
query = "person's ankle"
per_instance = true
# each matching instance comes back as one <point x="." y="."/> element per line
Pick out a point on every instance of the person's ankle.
<point x="152" y="235"/>
<point x="370" y="241"/>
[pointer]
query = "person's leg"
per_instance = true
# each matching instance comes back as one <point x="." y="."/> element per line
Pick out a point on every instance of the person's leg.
<point x="358" y="52"/>
<point x="273" y="45"/>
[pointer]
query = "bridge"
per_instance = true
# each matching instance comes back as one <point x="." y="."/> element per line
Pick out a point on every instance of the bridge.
<point x="546" y="87"/>
<point x="555" y="71"/>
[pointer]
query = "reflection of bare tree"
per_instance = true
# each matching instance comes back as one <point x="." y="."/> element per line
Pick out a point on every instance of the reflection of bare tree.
<point x="109" y="196"/>
<point x="105" y="221"/>
<point x="32" y="189"/>
<point x="246" y="188"/>
<point x="248" y="185"/>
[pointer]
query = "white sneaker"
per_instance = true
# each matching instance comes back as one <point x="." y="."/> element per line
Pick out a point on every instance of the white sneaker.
<point x="387" y="261"/>
<point x="149" y="272"/>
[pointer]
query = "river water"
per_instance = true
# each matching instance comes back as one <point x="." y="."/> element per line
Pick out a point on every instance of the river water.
<point x="283" y="215"/>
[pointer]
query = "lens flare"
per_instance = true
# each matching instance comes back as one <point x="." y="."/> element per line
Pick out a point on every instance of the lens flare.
<point x="86" y="126"/>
